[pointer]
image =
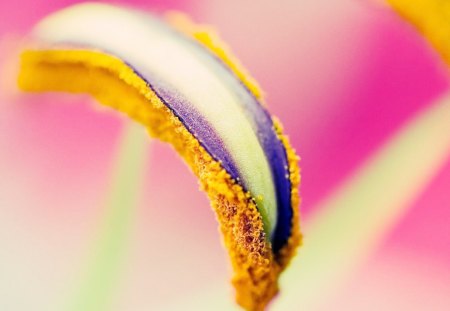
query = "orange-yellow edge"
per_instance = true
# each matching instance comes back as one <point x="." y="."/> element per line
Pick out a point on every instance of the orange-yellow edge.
<point x="110" y="81"/>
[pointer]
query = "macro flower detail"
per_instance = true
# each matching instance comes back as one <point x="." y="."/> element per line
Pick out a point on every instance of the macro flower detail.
<point x="187" y="90"/>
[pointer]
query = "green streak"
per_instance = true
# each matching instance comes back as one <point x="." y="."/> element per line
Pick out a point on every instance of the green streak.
<point x="109" y="252"/>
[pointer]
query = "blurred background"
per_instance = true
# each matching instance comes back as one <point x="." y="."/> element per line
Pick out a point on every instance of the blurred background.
<point x="344" y="76"/>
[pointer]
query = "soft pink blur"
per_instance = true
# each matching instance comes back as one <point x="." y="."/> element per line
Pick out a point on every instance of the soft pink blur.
<point x="341" y="75"/>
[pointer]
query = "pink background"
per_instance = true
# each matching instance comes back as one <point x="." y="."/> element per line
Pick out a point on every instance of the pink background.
<point x="342" y="76"/>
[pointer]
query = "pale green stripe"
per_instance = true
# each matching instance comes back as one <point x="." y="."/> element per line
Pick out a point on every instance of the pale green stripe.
<point x="109" y="253"/>
<point x="148" y="45"/>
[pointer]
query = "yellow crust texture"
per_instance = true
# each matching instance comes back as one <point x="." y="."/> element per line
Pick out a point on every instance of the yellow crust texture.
<point x="209" y="39"/>
<point x="114" y="84"/>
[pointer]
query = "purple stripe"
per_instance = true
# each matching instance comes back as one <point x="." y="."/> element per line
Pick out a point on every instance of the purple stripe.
<point x="263" y="126"/>
<point x="194" y="122"/>
<point x="200" y="128"/>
